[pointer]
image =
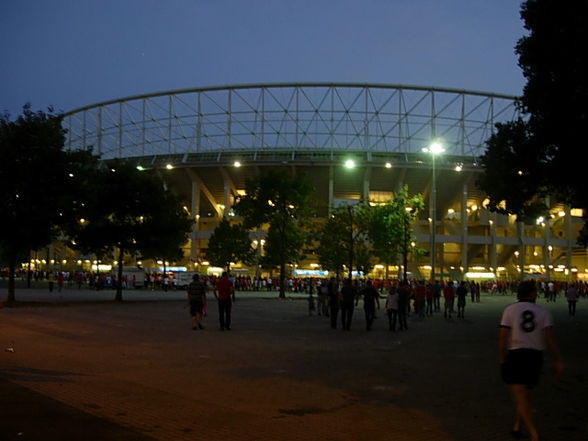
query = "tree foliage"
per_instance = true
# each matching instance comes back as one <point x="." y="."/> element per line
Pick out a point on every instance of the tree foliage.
<point x="37" y="177"/>
<point x="547" y="144"/>
<point x="130" y="211"/>
<point x="343" y="240"/>
<point x="509" y="163"/>
<point x="390" y="227"/>
<point x="283" y="203"/>
<point x="229" y="243"/>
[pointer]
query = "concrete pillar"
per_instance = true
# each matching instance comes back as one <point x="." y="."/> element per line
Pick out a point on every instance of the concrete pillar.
<point x="464" y="228"/>
<point x="546" y="251"/>
<point x="522" y="247"/>
<point x="226" y="198"/>
<point x="569" y="239"/>
<point x="366" y="184"/>
<point x="195" y="214"/>
<point x="492" y="250"/>
<point x="331" y="188"/>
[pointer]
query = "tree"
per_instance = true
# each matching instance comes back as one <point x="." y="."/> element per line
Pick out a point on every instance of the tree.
<point x="554" y="61"/>
<point x="343" y="240"/>
<point x="229" y="243"/>
<point x="390" y="228"/>
<point x="284" y="203"/>
<point x="164" y="230"/>
<point x="546" y="146"/>
<point x="36" y="176"/>
<point x="131" y="210"/>
<point x="511" y="144"/>
<point x="330" y="239"/>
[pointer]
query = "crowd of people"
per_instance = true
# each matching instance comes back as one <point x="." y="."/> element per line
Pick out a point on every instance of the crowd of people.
<point x="418" y="297"/>
<point x="402" y="299"/>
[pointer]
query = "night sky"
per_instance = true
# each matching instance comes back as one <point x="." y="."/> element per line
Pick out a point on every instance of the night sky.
<point x="70" y="53"/>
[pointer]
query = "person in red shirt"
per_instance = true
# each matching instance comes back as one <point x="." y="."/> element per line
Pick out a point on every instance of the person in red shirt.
<point x="225" y="294"/>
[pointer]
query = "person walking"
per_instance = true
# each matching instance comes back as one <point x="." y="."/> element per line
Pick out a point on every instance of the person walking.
<point x="392" y="308"/>
<point x="449" y="296"/>
<point x="224" y="292"/>
<point x="60" y="281"/>
<point x="461" y="293"/>
<point x="323" y="295"/>
<point x="429" y="296"/>
<point x="370" y="300"/>
<point x="311" y="304"/>
<point x="403" y="302"/>
<point x="333" y="294"/>
<point x="437" y="288"/>
<point x="572" y="297"/>
<point x="526" y="330"/>
<point x="197" y="301"/>
<point x="348" y="302"/>
<point x="420" y="294"/>
<point x="51" y="280"/>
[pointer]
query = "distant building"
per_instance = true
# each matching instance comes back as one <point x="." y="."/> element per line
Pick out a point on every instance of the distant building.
<point x="207" y="141"/>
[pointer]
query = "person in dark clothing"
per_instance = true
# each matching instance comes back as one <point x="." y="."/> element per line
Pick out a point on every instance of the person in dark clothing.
<point x="370" y="300"/>
<point x="437" y="295"/>
<point x="392" y="308"/>
<point x="348" y="301"/>
<point x="461" y="293"/>
<point x="197" y="300"/>
<point x="403" y="299"/>
<point x="333" y="293"/>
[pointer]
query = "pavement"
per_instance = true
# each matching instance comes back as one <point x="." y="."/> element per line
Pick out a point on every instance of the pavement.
<point x="76" y="365"/>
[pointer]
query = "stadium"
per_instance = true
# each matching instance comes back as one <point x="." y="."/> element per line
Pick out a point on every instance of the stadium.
<point x="352" y="141"/>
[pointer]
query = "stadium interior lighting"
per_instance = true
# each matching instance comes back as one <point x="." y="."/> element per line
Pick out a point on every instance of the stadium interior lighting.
<point x="169" y="166"/>
<point x="237" y="164"/>
<point x="481" y="275"/>
<point x="388" y="165"/>
<point x="435" y="148"/>
<point x="350" y="163"/>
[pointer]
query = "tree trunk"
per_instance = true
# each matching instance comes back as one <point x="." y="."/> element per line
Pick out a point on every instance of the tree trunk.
<point x="282" y="279"/>
<point x="164" y="280"/>
<point x="121" y="254"/>
<point x="405" y="249"/>
<point x="29" y="272"/>
<point x="11" y="270"/>
<point x="350" y="268"/>
<point x="404" y="264"/>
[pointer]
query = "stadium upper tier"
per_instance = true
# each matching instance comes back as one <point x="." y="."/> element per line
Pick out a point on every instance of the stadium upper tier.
<point x="292" y="118"/>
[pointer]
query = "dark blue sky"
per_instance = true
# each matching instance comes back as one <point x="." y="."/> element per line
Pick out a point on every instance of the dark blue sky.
<point x="70" y="53"/>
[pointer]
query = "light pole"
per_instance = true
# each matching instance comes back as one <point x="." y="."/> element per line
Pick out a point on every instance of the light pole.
<point x="434" y="149"/>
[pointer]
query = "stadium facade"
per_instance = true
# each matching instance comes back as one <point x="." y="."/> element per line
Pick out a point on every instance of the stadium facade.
<point x="207" y="141"/>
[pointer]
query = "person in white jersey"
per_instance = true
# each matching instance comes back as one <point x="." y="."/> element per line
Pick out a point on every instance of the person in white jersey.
<point x="526" y="330"/>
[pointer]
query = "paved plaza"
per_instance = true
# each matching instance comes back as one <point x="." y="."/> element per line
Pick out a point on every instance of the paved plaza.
<point x="77" y="366"/>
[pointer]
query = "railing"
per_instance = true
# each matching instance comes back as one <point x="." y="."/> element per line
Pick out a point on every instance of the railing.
<point x="290" y="117"/>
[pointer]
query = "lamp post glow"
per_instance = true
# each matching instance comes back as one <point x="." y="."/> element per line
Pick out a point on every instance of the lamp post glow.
<point x="436" y="148"/>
